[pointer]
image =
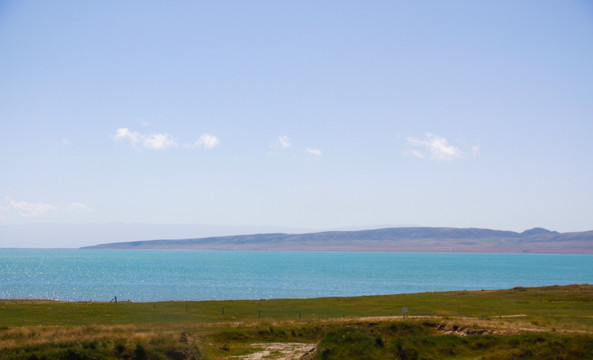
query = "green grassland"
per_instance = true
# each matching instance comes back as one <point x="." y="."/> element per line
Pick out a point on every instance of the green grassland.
<point x="541" y="323"/>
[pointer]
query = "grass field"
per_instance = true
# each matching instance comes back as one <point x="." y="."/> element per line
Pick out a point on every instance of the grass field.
<point x="549" y="322"/>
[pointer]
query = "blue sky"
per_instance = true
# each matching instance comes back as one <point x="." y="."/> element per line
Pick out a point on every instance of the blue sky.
<point x="301" y="114"/>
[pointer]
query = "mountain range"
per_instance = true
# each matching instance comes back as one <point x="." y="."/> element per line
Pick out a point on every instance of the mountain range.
<point x="404" y="239"/>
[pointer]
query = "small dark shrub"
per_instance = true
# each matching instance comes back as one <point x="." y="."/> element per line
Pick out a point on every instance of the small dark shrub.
<point x="140" y="353"/>
<point x="379" y="341"/>
<point x="404" y="353"/>
<point x="119" y="348"/>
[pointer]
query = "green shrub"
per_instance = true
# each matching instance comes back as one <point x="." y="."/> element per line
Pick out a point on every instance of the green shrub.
<point x="349" y="343"/>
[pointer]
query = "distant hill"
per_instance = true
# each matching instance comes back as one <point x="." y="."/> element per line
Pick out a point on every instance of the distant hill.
<point x="409" y="239"/>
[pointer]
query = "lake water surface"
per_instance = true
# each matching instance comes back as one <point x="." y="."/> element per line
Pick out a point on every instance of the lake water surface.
<point x="99" y="275"/>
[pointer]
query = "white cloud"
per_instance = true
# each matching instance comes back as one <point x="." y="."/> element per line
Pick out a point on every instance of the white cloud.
<point x="435" y="147"/>
<point x="206" y="141"/>
<point x="123" y="133"/>
<point x="77" y="207"/>
<point x="284" y="142"/>
<point x="162" y="141"/>
<point x="281" y="143"/>
<point x="64" y="141"/>
<point x="313" y="153"/>
<point x="159" y="141"/>
<point x="26" y="209"/>
<point x="150" y="141"/>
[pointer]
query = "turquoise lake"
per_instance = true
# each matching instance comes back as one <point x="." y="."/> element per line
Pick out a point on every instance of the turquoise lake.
<point x="135" y="275"/>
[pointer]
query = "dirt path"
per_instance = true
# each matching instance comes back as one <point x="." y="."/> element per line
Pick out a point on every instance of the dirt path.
<point x="278" y="351"/>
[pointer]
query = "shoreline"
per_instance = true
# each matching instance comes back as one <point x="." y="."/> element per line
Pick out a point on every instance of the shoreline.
<point x="173" y="301"/>
<point x="332" y="250"/>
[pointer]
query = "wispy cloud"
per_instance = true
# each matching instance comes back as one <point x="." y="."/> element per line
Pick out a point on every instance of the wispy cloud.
<point x="284" y="142"/>
<point x="281" y="143"/>
<point x="434" y="147"/>
<point x="314" y="154"/>
<point x="160" y="141"/>
<point x="33" y="209"/>
<point x="205" y="141"/>
<point x="77" y="207"/>
<point x="26" y="209"/>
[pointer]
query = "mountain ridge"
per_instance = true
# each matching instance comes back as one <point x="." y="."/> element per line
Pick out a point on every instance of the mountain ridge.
<point x="404" y="239"/>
